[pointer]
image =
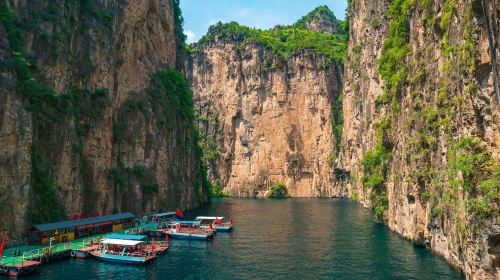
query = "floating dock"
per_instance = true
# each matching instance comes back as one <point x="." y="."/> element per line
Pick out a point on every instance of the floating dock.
<point x="25" y="259"/>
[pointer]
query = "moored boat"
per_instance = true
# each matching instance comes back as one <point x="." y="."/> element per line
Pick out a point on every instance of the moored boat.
<point x="217" y="223"/>
<point x="127" y="251"/>
<point x="189" y="230"/>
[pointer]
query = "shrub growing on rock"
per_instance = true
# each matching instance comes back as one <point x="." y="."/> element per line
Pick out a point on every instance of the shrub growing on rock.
<point x="278" y="190"/>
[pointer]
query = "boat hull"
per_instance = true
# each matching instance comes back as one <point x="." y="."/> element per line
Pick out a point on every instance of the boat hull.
<point x="225" y="229"/>
<point x="81" y="255"/>
<point x="219" y="228"/>
<point x="124" y="259"/>
<point x="189" y="236"/>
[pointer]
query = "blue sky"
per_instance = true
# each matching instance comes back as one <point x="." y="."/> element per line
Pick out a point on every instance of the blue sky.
<point x="263" y="14"/>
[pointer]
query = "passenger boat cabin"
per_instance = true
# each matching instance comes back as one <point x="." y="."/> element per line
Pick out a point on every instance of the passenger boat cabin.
<point x="73" y="229"/>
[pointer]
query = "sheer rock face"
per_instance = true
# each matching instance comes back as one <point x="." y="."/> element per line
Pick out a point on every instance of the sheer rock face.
<point x="270" y="120"/>
<point x="117" y="46"/>
<point x="456" y="233"/>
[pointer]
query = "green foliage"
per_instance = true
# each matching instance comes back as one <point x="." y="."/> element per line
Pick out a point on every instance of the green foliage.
<point x="375" y="169"/>
<point x="426" y="5"/>
<point x="331" y="160"/>
<point x="375" y="23"/>
<point x="338" y="120"/>
<point x="323" y="13"/>
<point x="437" y="211"/>
<point x="121" y="177"/>
<point x="88" y="7"/>
<point x="48" y="207"/>
<point x="283" y="41"/>
<point x="468" y="157"/>
<point x="179" y="22"/>
<point x="170" y="94"/>
<point x="216" y="189"/>
<point x="392" y="67"/>
<point x="445" y="25"/>
<point x="425" y="196"/>
<point x="171" y="99"/>
<point x="278" y="190"/>
<point x="151" y="188"/>
<point x="471" y="167"/>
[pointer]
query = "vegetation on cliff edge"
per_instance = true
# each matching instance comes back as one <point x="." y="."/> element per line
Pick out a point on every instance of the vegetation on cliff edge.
<point x="284" y="41"/>
<point x="323" y="13"/>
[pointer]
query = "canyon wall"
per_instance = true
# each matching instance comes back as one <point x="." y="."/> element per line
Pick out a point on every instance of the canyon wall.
<point x="90" y="120"/>
<point x="265" y="119"/>
<point x="421" y="132"/>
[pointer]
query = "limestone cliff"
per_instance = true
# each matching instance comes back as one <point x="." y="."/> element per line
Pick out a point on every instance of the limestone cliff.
<point x="266" y="116"/>
<point x="90" y="120"/>
<point x="421" y="133"/>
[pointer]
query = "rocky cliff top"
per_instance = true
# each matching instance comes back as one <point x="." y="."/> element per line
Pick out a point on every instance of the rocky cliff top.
<point x="323" y="20"/>
<point x="318" y="32"/>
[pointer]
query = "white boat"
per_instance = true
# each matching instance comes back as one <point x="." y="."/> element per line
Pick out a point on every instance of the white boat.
<point x="189" y="230"/>
<point x="217" y="223"/>
<point x="124" y="251"/>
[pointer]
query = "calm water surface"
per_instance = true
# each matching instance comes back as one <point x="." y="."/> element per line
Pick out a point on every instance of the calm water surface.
<point x="279" y="239"/>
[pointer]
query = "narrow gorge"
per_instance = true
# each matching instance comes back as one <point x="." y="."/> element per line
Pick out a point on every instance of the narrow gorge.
<point x="105" y="109"/>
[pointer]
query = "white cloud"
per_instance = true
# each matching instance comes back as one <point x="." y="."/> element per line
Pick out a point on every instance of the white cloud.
<point x="191" y="37"/>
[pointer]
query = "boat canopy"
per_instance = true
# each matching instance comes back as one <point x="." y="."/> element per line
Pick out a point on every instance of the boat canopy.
<point x="186" y="222"/>
<point x="126" y="236"/>
<point x="208" y="218"/>
<point x="166" y="214"/>
<point x="82" y="222"/>
<point x="123" y="242"/>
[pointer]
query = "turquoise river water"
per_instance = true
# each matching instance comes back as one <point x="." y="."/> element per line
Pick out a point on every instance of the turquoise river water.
<point x="278" y="239"/>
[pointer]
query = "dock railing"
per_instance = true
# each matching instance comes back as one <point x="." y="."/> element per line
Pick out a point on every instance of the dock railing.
<point x="4" y="261"/>
<point x="29" y="255"/>
<point x="140" y="229"/>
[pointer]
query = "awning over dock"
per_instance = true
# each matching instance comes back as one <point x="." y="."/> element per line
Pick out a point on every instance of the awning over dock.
<point x="83" y="222"/>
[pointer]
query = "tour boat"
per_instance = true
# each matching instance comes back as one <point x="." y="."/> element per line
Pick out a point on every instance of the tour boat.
<point x="127" y="251"/>
<point x="189" y="230"/>
<point x="217" y="223"/>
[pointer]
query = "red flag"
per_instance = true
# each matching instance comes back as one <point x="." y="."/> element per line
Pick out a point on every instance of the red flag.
<point x="153" y="244"/>
<point x="179" y="213"/>
<point x="3" y="244"/>
<point x="166" y="239"/>
<point x="219" y="222"/>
